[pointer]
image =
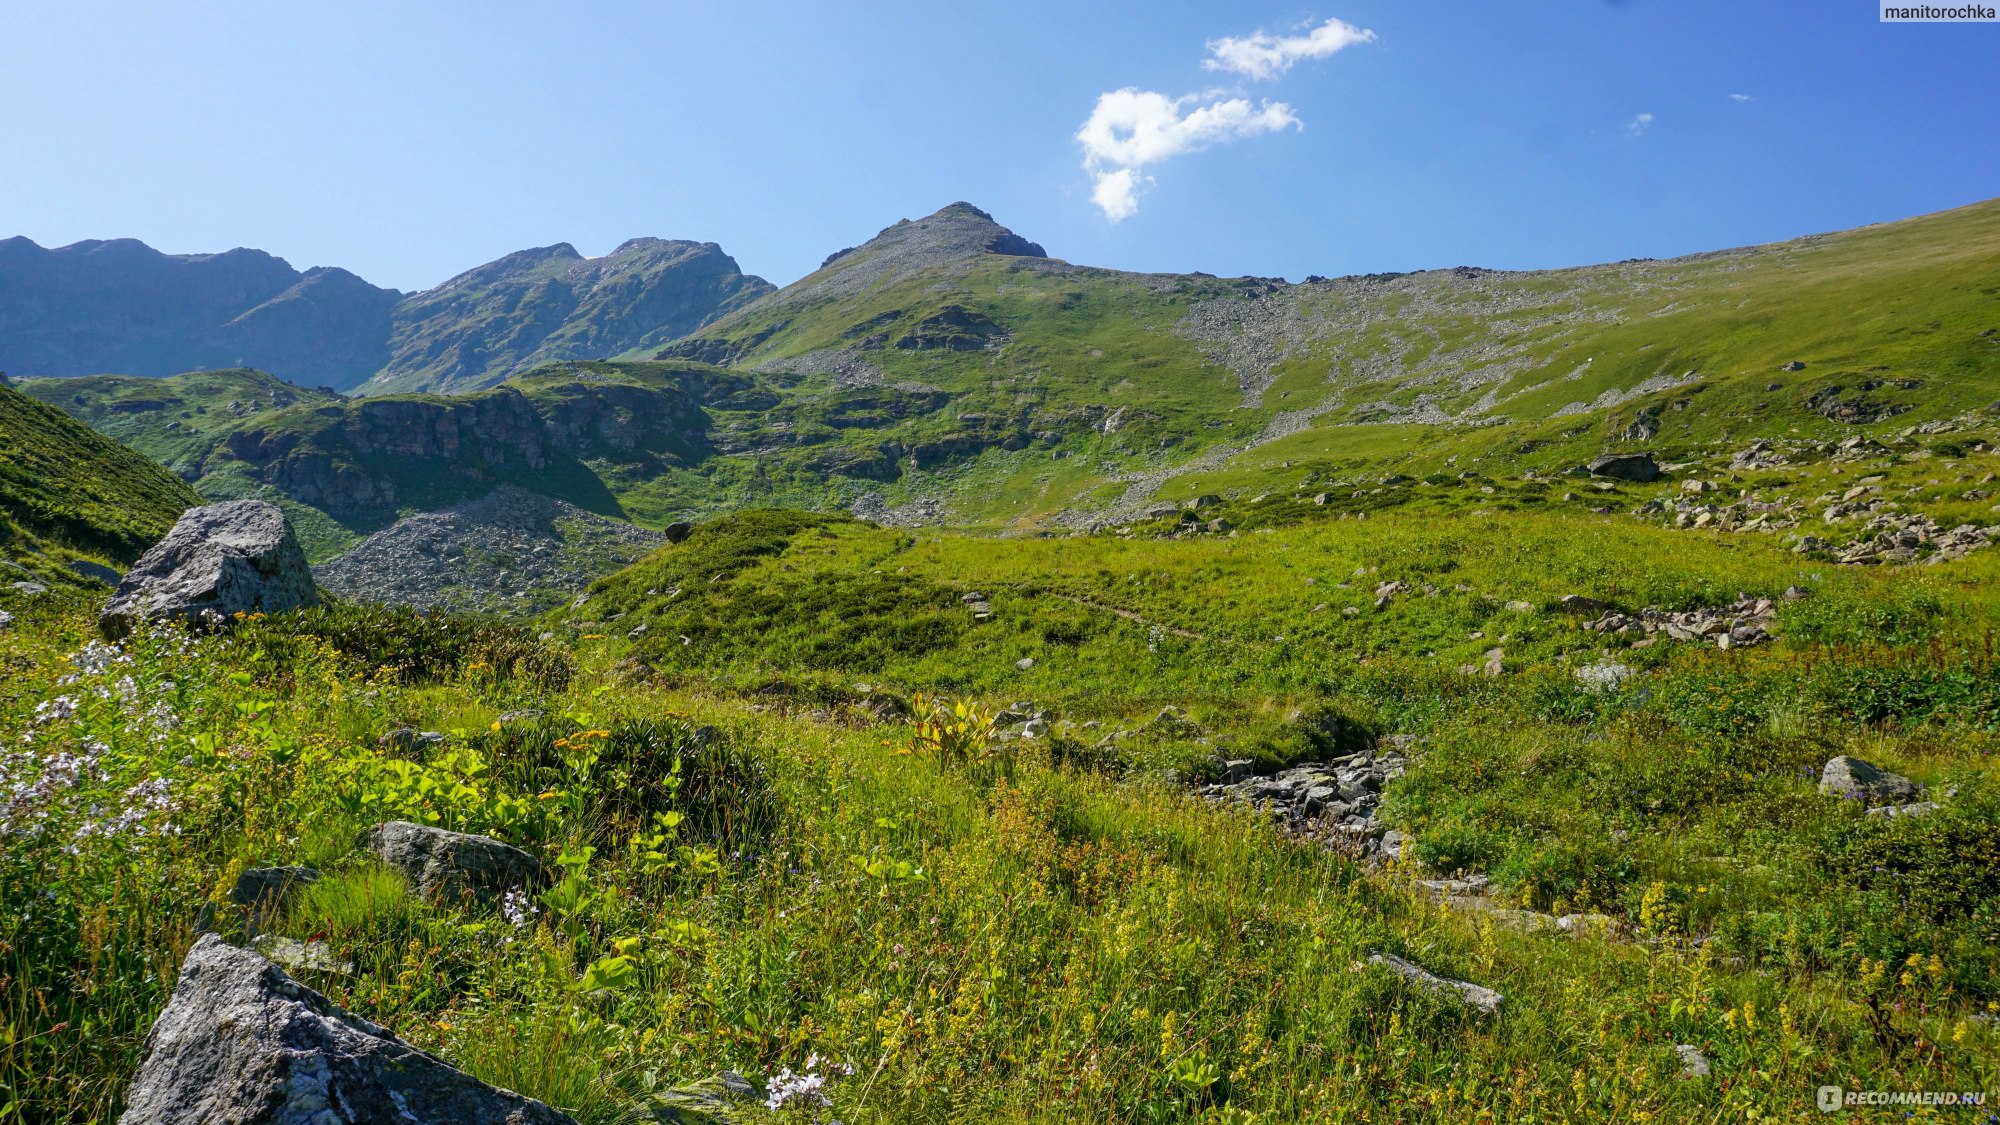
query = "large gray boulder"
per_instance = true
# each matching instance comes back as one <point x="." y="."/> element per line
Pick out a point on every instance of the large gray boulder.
<point x="219" y="560"/>
<point x="242" y="1042"/>
<point x="1856" y="779"/>
<point x="1625" y="466"/>
<point x="452" y="865"/>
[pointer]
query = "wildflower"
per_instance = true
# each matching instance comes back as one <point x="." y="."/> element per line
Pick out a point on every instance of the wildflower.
<point x="519" y="908"/>
<point x="806" y="1088"/>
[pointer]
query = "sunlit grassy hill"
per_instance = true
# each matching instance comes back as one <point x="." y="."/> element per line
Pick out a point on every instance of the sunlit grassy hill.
<point x="67" y="492"/>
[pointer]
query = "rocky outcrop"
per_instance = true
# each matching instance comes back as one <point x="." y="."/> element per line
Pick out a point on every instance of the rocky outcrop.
<point x="1636" y="467"/>
<point x="244" y="1043"/>
<point x="219" y="560"/>
<point x="452" y="865"/>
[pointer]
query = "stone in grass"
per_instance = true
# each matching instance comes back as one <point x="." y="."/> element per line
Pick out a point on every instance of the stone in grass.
<point x="263" y="892"/>
<point x="1850" y="777"/>
<point x="1694" y="1064"/>
<point x="451" y="865"/>
<point x="408" y="740"/>
<point x="706" y="1101"/>
<point x="1637" y="467"/>
<point x="1484" y="1000"/>
<point x="1025" y="663"/>
<point x="96" y="572"/>
<point x="243" y="1042"/>
<point x="219" y="560"/>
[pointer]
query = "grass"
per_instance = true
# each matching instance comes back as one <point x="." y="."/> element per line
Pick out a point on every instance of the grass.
<point x="751" y="868"/>
<point x="67" y="492"/>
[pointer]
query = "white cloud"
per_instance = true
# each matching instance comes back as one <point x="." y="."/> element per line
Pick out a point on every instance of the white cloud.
<point x="1639" y="124"/>
<point x="1117" y="193"/>
<point x="1264" y="56"/>
<point x="1741" y="98"/>
<point x="1132" y="128"/>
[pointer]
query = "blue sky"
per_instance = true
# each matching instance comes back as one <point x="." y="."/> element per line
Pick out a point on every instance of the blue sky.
<point x="409" y="140"/>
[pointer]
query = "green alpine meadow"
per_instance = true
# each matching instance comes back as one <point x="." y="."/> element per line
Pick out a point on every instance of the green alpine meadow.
<point x="948" y="682"/>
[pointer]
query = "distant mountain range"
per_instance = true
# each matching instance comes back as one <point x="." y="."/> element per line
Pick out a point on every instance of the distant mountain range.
<point x="122" y="307"/>
<point x="949" y="370"/>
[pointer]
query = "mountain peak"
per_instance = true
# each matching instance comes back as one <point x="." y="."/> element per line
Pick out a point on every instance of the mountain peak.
<point x="952" y="235"/>
<point x="960" y="229"/>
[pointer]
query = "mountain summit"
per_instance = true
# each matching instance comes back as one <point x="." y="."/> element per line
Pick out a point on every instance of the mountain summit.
<point x="955" y="232"/>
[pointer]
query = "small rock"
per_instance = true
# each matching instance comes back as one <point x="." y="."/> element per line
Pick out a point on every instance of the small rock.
<point x="96" y="572"/>
<point x="707" y="1101"/>
<point x="1025" y="663"/>
<point x="29" y="589"/>
<point x="1485" y="1000"/>
<point x="1916" y="808"/>
<point x="451" y="865"/>
<point x="408" y="740"/>
<point x="1850" y="777"/>
<point x="264" y="892"/>
<point x="1694" y="1064"/>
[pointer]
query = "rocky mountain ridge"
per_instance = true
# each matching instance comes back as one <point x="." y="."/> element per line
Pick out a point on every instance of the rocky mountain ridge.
<point x="120" y="306"/>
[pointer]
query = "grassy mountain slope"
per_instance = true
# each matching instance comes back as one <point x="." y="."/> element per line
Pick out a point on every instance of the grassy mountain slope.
<point x="176" y="420"/>
<point x="1888" y="319"/>
<point x="68" y="492"/>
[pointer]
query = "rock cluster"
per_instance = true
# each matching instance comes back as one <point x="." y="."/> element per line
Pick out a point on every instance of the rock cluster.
<point x="1338" y="799"/>
<point x="492" y="554"/>
<point x="217" y="561"/>
<point x="1897" y="537"/>
<point x="1745" y="621"/>
<point x="243" y="1042"/>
